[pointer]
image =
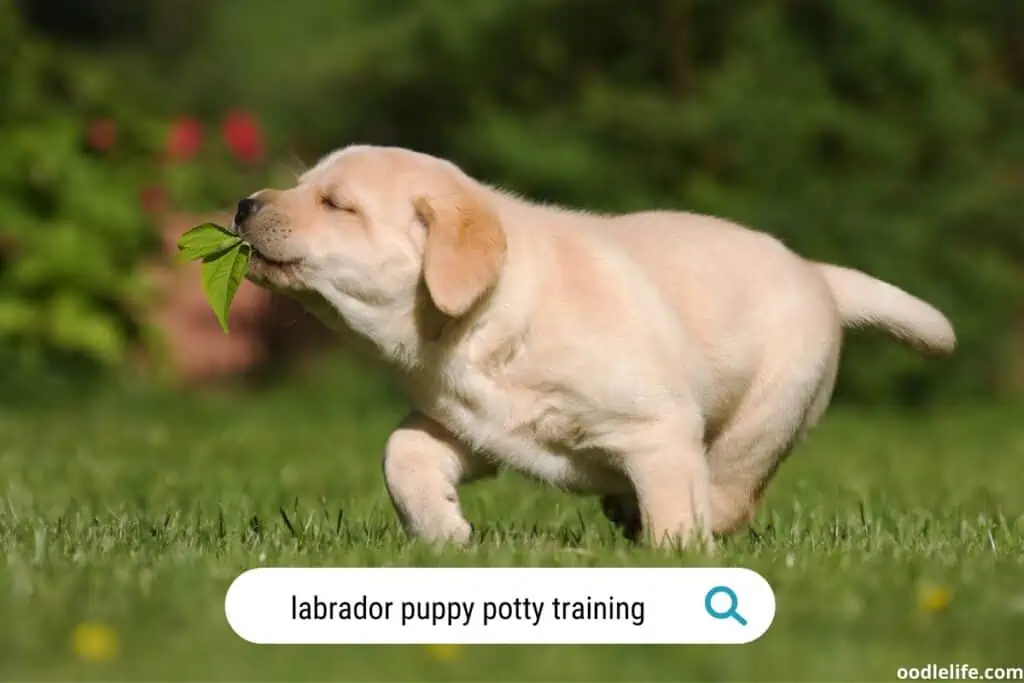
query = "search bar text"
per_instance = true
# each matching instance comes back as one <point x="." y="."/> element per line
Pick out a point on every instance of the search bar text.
<point x="594" y="605"/>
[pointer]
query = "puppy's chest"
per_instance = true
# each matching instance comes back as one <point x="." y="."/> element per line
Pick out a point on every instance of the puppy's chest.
<point x="489" y="415"/>
<point x="536" y="432"/>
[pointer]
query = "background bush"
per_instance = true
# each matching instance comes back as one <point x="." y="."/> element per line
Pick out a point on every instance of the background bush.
<point x="87" y="168"/>
<point x="72" y="233"/>
<point x="880" y="135"/>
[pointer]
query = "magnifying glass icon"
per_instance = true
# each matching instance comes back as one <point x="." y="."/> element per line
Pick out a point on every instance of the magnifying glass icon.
<point x="732" y="601"/>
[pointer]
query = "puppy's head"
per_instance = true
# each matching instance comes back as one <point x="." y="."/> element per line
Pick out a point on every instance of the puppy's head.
<point x="376" y="232"/>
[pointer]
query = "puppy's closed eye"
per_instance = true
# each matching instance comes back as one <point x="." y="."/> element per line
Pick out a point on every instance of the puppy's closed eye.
<point x="332" y="203"/>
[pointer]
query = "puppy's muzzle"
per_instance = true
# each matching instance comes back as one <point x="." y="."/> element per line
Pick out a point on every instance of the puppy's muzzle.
<point x="247" y="208"/>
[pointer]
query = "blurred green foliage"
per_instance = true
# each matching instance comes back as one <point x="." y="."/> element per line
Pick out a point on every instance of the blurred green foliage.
<point x="72" y="233"/>
<point x="89" y="164"/>
<point x="884" y="136"/>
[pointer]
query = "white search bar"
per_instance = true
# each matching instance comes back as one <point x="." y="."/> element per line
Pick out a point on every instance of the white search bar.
<point x="499" y="605"/>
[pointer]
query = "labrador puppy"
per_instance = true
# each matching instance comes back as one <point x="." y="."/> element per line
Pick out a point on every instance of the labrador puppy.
<point x="664" y="361"/>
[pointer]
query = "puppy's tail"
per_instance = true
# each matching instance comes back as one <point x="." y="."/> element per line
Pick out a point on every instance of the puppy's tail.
<point x="864" y="301"/>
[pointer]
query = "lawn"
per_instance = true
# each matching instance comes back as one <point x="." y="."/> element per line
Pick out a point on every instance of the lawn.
<point x="134" y="509"/>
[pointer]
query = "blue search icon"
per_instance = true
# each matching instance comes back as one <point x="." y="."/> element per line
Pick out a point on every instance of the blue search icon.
<point x="728" y="613"/>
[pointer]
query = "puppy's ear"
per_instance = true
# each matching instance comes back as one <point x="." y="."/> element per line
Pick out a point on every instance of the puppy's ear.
<point x="465" y="249"/>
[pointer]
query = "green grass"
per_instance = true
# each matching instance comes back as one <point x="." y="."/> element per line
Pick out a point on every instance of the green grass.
<point x="137" y="509"/>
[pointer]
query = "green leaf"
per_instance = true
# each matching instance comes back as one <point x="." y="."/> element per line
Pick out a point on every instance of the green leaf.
<point x="204" y="241"/>
<point x="222" y="274"/>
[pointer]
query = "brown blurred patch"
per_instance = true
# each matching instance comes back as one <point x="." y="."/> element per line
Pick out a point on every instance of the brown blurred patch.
<point x="267" y="331"/>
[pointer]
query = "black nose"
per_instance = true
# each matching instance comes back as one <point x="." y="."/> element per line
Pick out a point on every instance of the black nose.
<point x="246" y="208"/>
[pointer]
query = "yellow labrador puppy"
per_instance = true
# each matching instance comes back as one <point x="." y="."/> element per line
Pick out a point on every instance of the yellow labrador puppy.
<point x="664" y="361"/>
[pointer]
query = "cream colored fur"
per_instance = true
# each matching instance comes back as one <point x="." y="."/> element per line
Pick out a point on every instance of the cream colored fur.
<point x="664" y="361"/>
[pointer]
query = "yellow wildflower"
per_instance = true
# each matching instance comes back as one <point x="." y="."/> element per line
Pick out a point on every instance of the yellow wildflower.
<point x="444" y="653"/>
<point x="95" y="642"/>
<point x="934" y="598"/>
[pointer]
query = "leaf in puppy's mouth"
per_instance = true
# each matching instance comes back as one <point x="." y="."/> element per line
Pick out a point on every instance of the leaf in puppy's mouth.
<point x="222" y="275"/>
<point x="204" y="241"/>
<point x="225" y="260"/>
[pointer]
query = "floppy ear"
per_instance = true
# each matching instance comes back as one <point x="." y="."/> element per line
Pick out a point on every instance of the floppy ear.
<point x="465" y="249"/>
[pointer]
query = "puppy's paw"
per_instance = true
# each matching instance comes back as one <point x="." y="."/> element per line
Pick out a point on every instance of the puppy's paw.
<point x="441" y="534"/>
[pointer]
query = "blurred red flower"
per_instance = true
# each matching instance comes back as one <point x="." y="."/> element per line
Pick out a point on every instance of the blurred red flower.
<point x="102" y="135"/>
<point x="185" y="138"/>
<point x="153" y="199"/>
<point x="243" y="136"/>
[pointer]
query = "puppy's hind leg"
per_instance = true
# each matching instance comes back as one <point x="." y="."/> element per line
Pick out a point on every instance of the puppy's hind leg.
<point x="423" y="466"/>
<point x="667" y="468"/>
<point x="771" y="421"/>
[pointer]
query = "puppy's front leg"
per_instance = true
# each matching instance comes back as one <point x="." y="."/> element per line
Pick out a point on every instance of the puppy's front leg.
<point x="423" y="466"/>
<point x="670" y="476"/>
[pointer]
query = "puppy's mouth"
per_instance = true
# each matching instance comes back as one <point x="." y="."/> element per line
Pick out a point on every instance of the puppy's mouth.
<point x="258" y="255"/>
<point x="275" y="274"/>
